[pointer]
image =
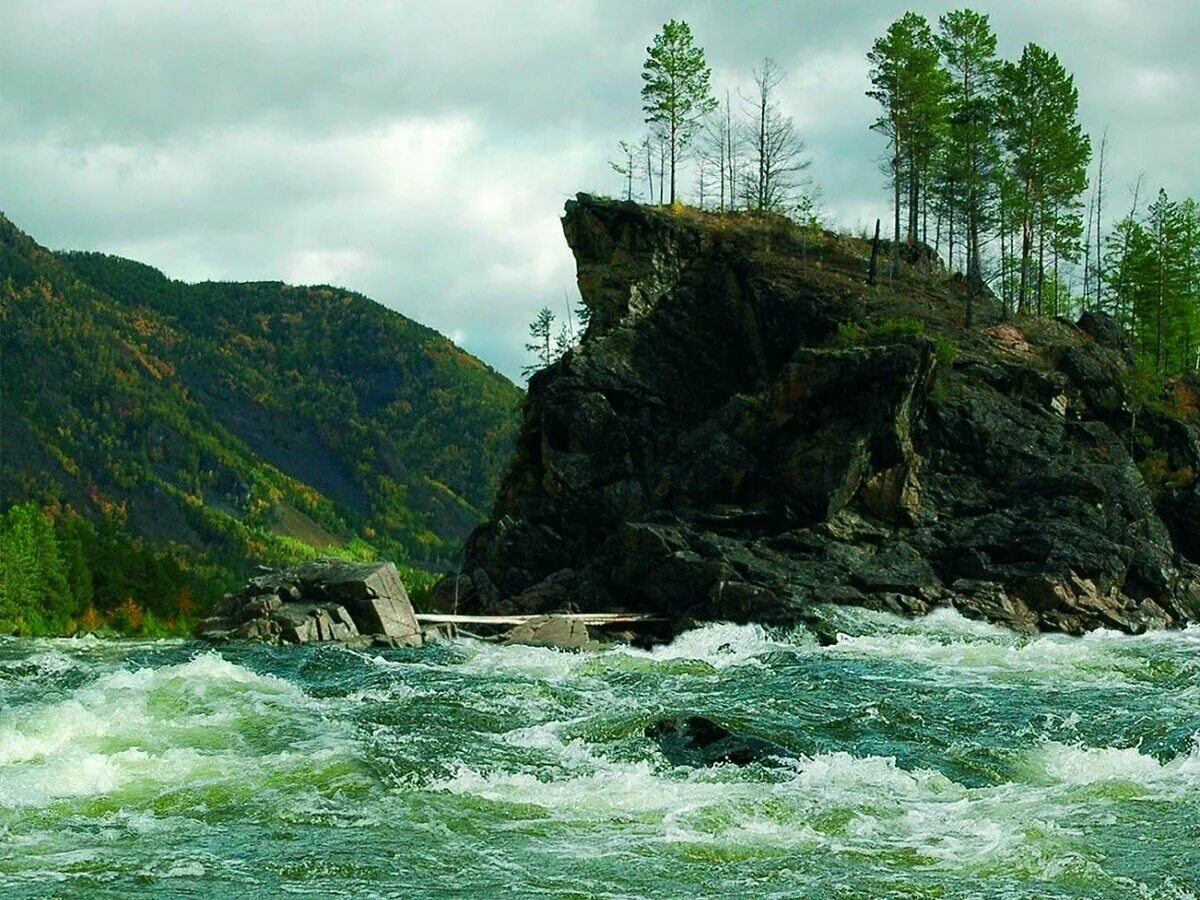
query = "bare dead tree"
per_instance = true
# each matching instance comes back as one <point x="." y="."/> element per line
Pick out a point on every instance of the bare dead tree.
<point x="625" y="167"/>
<point x="712" y="155"/>
<point x="646" y="145"/>
<point x="718" y="150"/>
<point x="733" y="149"/>
<point x="777" y="151"/>
<point x="1087" y="249"/>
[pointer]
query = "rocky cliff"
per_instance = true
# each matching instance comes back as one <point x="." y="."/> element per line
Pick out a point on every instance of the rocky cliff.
<point x="749" y="428"/>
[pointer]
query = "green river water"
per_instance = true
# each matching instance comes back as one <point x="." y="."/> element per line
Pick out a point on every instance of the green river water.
<point x="934" y="758"/>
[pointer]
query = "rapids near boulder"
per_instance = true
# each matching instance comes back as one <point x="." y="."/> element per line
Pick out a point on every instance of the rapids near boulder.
<point x="935" y="757"/>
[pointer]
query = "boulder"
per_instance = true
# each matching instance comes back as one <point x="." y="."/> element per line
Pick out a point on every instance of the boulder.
<point x="697" y="742"/>
<point x="552" y="631"/>
<point x="372" y="593"/>
<point x="324" y="601"/>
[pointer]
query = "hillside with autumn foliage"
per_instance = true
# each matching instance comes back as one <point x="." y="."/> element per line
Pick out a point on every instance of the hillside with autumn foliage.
<point x="199" y="429"/>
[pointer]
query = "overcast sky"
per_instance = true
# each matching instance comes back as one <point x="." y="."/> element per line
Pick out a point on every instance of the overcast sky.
<point x="420" y="152"/>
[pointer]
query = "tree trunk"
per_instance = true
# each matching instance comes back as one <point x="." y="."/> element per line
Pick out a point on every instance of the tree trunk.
<point x="913" y="188"/>
<point x="1158" y="312"/>
<point x="1087" y="255"/>
<point x="1005" y="299"/>
<point x="937" y="232"/>
<point x="673" y="129"/>
<point x="1099" y="211"/>
<point x="1026" y="247"/>
<point x="1041" y="270"/>
<point x="1054" y="248"/>
<point x="896" y="211"/>
<point x="649" y="174"/>
<point x="762" y="149"/>
<point x="662" y="165"/>
<point x="874" y="255"/>
<point x="1026" y="251"/>
<point x="950" y="235"/>
<point x="924" y="211"/>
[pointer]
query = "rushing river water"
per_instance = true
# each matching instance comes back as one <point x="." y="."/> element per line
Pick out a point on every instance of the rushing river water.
<point x="934" y="758"/>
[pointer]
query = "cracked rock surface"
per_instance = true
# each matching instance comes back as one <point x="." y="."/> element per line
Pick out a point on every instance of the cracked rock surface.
<point x="748" y="428"/>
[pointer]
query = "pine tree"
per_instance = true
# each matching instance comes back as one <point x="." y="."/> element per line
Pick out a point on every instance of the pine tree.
<point x="76" y="538"/>
<point x="912" y="87"/>
<point x="1154" y="281"/>
<point x="541" y="341"/>
<point x="18" y="566"/>
<point x="33" y="579"/>
<point x="676" y="92"/>
<point x="1168" y="290"/>
<point x="1189" y="250"/>
<point x="968" y="48"/>
<point x="1038" y="108"/>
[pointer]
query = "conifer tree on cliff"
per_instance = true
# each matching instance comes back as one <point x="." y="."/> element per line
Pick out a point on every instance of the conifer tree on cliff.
<point x="541" y="342"/>
<point x="909" y="82"/>
<point x="676" y="89"/>
<point x="968" y="47"/>
<point x="1039" y="113"/>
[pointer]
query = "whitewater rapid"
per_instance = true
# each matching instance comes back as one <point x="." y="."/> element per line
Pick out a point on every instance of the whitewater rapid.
<point x="935" y="757"/>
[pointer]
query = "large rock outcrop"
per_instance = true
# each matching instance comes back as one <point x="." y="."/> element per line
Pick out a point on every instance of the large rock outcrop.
<point x="324" y="601"/>
<point x="749" y="428"/>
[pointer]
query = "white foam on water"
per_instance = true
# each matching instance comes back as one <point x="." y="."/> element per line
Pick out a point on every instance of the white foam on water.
<point x="117" y="703"/>
<point x="487" y="659"/>
<point x="1078" y="765"/>
<point x="185" y="869"/>
<point x="614" y="789"/>
<point x="392" y="694"/>
<point x="43" y="663"/>
<point x="948" y="641"/>
<point x="719" y="645"/>
<point x="865" y="805"/>
<point x="137" y="734"/>
<point x="723" y="645"/>
<point x="153" y="728"/>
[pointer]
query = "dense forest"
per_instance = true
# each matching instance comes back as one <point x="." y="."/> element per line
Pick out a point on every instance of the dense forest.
<point x="986" y="163"/>
<point x="989" y="164"/>
<point x="161" y="438"/>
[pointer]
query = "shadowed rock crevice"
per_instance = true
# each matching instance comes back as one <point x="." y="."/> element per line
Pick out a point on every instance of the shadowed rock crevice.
<point x="748" y="428"/>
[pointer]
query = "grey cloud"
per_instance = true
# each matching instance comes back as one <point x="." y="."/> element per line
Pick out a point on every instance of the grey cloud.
<point x="421" y="152"/>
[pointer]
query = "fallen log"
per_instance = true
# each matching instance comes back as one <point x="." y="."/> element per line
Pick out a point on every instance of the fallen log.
<point x="582" y="618"/>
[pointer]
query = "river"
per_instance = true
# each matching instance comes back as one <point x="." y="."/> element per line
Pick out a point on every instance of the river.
<point x="933" y="758"/>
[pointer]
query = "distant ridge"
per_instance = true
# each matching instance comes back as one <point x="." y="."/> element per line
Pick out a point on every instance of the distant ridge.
<point x="245" y="422"/>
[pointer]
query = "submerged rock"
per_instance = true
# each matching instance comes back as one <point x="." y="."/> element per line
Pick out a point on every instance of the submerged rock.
<point x="324" y="601"/>
<point x="748" y="429"/>
<point x="698" y="742"/>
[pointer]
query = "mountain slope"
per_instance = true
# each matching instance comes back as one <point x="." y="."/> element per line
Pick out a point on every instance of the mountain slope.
<point x="258" y="419"/>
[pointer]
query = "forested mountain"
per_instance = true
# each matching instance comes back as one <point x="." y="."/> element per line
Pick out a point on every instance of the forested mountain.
<point x="212" y="426"/>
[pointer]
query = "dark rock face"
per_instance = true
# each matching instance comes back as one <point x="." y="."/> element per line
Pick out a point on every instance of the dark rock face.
<point x="699" y="742"/>
<point x="747" y="429"/>
<point x="328" y="600"/>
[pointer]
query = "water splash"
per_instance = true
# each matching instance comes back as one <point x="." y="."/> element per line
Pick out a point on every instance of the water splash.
<point x="935" y="757"/>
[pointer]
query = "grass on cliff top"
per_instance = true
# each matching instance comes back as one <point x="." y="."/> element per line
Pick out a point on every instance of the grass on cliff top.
<point x="924" y="297"/>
